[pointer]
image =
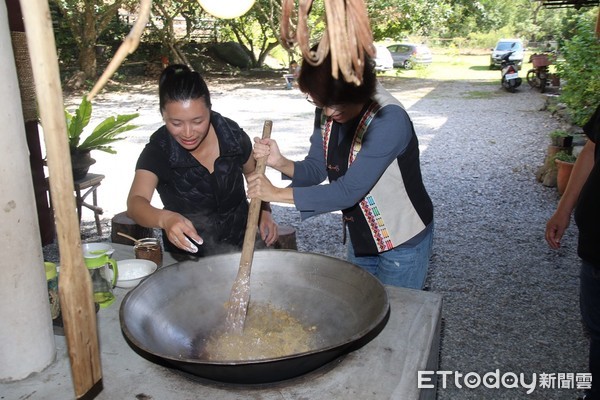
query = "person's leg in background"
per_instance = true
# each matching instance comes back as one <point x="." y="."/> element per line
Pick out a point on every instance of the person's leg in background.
<point x="590" y="312"/>
<point x="289" y="80"/>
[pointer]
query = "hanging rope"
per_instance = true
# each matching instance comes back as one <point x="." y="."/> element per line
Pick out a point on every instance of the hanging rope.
<point x="348" y="35"/>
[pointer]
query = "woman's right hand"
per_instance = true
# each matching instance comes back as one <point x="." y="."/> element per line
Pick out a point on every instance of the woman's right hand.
<point x="178" y="229"/>
<point x="142" y="212"/>
<point x="268" y="148"/>
<point x="556" y="227"/>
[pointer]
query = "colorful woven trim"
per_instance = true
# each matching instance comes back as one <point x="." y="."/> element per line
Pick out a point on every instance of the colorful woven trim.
<point x="368" y="205"/>
<point x="326" y="124"/>
<point x="361" y="129"/>
<point x="379" y="231"/>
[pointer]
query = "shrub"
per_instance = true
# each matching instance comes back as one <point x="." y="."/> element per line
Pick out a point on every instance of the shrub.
<point x="581" y="71"/>
<point x="565" y="156"/>
<point x="559" y="133"/>
<point x="561" y="138"/>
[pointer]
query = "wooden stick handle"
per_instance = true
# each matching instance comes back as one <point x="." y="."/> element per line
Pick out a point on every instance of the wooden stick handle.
<point x="76" y="302"/>
<point x="254" y="212"/>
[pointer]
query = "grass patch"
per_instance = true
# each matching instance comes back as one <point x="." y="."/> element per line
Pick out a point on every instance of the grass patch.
<point x="457" y="67"/>
<point x="479" y="94"/>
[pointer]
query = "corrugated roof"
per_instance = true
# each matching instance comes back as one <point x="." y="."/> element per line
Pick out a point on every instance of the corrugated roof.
<point x="577" y="4"/>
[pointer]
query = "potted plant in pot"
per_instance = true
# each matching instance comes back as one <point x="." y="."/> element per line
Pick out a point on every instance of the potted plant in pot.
<point x="101" y="138"/>
<point x="564" y="164"/>
<point x="561" y="138"/>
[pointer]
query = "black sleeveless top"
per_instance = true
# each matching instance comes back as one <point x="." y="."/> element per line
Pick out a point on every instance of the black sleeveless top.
<point x="215" y="203"/>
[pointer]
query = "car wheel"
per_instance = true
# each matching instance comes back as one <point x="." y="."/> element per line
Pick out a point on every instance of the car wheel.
<point x="407" y="64"/>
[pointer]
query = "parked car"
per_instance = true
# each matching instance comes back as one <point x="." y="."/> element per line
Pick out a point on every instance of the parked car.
<point x="504" y="46"/>
<point x="383" y="59"/>
<point x="407" y="55"/>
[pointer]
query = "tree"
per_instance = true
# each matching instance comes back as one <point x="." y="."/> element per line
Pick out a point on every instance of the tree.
<point x="258" y="30"/>
<point x="87" y="19"/>
<point x="396" y="19"/>
<point x="165" y="12"/>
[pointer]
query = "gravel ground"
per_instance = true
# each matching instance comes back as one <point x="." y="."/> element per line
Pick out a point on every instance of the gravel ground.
<point x="510" y="303"/>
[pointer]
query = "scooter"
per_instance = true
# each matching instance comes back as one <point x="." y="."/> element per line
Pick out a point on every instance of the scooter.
<point x="510" y="73"/>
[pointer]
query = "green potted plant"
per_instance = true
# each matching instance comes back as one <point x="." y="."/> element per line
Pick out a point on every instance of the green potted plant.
<point x="101" y="138"/>
<point x="561" y="138"/>
<point x="564" y="161"/>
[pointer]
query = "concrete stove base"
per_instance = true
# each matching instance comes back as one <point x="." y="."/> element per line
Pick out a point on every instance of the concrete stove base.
<point x="385" y="368"/>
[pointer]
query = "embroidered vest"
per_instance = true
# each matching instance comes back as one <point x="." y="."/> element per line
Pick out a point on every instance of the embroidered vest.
<point x="386" y="217"/>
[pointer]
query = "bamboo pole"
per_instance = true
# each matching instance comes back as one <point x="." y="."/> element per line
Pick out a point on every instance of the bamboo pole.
<point x="75" y="292"/>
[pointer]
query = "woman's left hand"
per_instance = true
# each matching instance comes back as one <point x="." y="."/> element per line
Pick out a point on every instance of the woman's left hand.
<point x="259" y="187"/>
<point x="269" y="230"/>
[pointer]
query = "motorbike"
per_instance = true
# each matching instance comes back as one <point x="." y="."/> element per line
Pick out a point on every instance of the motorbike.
<point x="510" y="73"/>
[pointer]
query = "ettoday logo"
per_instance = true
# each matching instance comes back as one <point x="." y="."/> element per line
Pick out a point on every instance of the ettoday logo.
<point x="507" y="380"/>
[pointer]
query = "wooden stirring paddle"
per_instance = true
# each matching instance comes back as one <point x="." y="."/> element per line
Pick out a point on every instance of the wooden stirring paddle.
<point x="240" y="291"/>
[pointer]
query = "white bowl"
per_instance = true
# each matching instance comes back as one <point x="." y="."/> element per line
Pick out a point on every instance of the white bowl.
<point x="92" y="250"/>
<point x="132" y="271"/>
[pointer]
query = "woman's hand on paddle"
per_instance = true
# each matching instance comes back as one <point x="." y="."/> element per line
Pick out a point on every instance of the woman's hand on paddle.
<point x="267" y="148"/>
<point x="259" y="187"/>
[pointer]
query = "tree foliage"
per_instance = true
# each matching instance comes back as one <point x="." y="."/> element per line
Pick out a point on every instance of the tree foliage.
<point x="481" y="22"/>
<point x="581" y="70"/>
<point x="164" y="15"/>
<point x="257" y="31"/>
<point x="87" y="20"/>
<point x="399" y="18"/>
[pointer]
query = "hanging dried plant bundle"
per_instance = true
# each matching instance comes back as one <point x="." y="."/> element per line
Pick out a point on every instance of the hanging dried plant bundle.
<point x="348" y="36"/>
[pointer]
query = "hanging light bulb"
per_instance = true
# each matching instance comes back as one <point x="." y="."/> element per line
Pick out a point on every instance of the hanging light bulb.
<point x="226" y="9"/>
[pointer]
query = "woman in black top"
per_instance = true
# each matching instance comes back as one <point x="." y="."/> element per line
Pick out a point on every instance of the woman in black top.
<point x="583" y="195"/>
<point x="196" y="162"/>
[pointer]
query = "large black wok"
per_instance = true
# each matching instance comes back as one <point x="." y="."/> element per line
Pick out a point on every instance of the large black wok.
<point x="167" y="316"/>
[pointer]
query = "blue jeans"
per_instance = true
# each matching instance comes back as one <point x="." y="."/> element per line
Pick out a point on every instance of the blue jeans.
<point x="404" y="266"/>
<point x="589" y="302"/>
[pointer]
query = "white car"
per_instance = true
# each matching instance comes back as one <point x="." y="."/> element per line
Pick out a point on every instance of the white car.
<point x="504" y="46"/>
<point x="383" y="59"/>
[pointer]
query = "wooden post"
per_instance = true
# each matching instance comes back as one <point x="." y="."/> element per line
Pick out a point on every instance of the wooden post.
<point x="77" y="306"/>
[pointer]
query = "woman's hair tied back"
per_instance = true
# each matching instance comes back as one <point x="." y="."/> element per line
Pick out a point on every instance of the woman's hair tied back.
<point x="178" y="82"/>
